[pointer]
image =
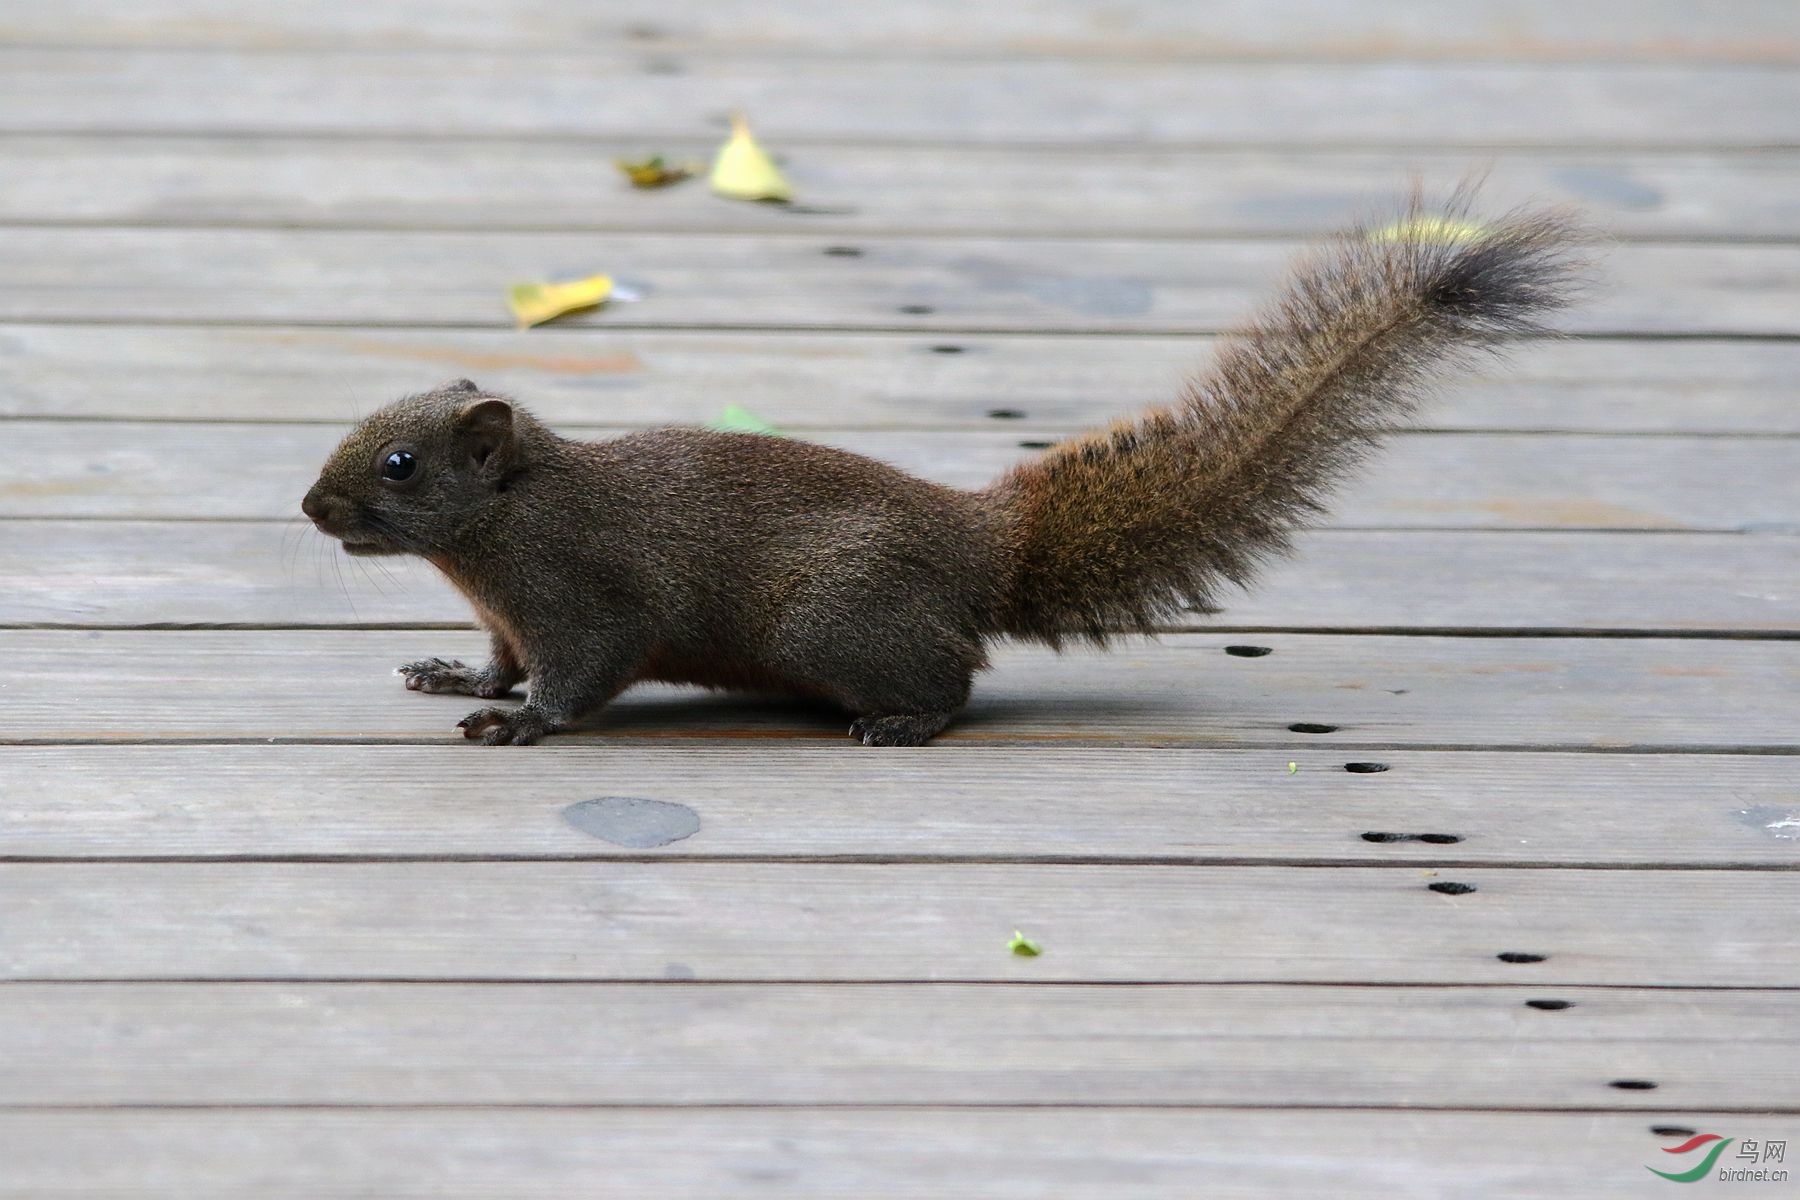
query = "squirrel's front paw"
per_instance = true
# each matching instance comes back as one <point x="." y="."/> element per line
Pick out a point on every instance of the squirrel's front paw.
<point x="438" y="675"/>
<point x="452" y="676"/>
<point x="504" y="727"/>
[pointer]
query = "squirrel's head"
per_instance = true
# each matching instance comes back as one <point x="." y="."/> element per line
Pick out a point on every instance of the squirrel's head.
<point x="415" y="473"/>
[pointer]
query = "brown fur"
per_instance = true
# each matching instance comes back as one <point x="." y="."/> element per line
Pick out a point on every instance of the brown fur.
<point x="752" y="562"/>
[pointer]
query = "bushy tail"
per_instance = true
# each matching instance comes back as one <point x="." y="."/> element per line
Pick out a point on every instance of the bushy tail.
<point x="1120" y="529"/>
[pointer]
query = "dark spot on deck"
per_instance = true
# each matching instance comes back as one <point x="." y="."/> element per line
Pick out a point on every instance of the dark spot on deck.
<point x="1447" y="888"/>
<point x="1633" y="1085"/>
<point x="1248" y="651"/>
<point x="1520" y="956"/>
<point x="1311" y="727"/>
<point x="1365" y="768"/>
<point x="631" y="821"/>
<point x="1549" y="1005"/>
<point x="917" y="310"/>
<point x="1672" y="1130"/>
<point x="1435" y="839"/>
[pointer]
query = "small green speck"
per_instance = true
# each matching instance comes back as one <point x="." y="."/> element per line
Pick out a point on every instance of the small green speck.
<point x="1023" y="946"/>
<point x="735" y="418"/>
<point x="1293" y="768"/>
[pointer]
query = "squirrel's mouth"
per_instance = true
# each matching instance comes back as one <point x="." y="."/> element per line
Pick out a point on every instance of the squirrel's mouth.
<point x="368" y="549"/>
<point x="359" y="546"/>
<point x="360" y="543"/>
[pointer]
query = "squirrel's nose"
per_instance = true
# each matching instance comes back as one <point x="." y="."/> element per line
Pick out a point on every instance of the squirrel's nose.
<point x="314" y="505"/>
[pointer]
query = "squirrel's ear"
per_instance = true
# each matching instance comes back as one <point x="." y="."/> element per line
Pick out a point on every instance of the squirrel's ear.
<point x="487" y="426"/>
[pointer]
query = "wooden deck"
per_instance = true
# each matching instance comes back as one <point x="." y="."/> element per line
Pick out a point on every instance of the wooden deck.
<point x="271" y="930"/>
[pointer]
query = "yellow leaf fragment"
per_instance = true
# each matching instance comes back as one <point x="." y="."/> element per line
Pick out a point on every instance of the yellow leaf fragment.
<point x="1430" y="229"/>
<point x="655" y="171"/>
<point x="743" y="170"/>
<point x="535" y="303"/>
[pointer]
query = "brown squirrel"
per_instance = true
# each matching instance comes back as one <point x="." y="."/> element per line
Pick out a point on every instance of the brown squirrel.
<point x="737" y="560"/>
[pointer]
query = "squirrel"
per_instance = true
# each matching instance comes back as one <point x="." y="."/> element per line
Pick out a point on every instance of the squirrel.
<point x="750" y="561"/>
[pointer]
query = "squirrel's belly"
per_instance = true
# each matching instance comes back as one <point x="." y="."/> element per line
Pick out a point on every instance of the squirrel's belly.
<point x="722" y="672"/>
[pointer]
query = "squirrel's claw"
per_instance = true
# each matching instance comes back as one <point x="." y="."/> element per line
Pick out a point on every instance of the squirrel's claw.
<point x="503" y="727"/>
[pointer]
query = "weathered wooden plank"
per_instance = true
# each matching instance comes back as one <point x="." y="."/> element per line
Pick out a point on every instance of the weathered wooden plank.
<point x="126" y="573"/>
<point x="1098" y="191"/>
<point x="801" y="380"/>
<point x="879" y="1154"/>
<point x="608" y="93"/>
<point x="809" y="802"/>
<point x="1405" y="692"/>
<point x="282" y="1044"/>
<point x="895" y="921"/>
<point x="1734" y="31"/>
<point x="122" y="470"/>
<point x="1003" y="1154"/>
<point x="394" y="278"/>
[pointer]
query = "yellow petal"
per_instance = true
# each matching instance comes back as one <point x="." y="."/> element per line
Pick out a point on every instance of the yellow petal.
<point x="744" y="171"/>
<point x="535" y="303"/>
<point x="1430" y="229"/>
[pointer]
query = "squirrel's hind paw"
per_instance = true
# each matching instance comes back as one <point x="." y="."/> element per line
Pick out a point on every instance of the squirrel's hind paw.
<point x="899" y="729"/>
<point x="504" y="727"/>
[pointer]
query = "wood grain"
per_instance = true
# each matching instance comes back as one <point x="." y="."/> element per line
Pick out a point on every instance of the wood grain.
<point x="1122" y="190"/>
<point x="819" y="802"/>
<point x="867" y="99"/>
<point x="879" y="1154"/>
<point x="1733" y="31"/>
<point x="143" y="471"/>
<point x="816" y="380"/>
<point x="167" y="573"/>
<point x="1405" y="692"/>
<point x="394" y="278"/>
<point x="1048" y="1045"/>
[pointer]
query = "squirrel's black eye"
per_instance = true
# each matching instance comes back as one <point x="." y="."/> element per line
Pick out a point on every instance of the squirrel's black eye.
<point x="399" y="466"/>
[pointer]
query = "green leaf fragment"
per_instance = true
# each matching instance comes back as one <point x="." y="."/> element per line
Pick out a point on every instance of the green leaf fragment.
<point x="1023" y="946"/>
